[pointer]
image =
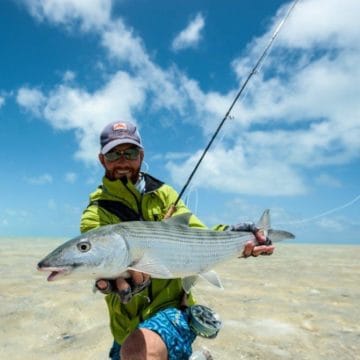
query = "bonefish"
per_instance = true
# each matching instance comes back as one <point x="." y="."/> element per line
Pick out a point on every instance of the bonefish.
<point x="164" y="250"/>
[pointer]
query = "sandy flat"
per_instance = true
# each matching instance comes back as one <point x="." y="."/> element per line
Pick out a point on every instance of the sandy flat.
<point x="303" y="302"/>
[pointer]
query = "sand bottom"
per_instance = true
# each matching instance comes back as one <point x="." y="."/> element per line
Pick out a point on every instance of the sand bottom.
<point x="303" y="302"/>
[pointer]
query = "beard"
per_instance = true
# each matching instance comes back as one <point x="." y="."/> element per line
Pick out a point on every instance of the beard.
<point x="122" y="174"/>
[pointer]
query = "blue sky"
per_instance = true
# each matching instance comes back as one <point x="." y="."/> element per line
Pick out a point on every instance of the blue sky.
<point x="292" y="143"/>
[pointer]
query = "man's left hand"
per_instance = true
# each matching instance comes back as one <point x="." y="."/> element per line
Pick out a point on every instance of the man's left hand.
<point x="252" y="249"/>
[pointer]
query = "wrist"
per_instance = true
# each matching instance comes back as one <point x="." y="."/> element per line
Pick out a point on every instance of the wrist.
<point x="246" y="227"/>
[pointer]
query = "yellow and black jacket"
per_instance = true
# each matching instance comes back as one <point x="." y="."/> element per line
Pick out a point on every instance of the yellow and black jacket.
<point x="116" y="201"/>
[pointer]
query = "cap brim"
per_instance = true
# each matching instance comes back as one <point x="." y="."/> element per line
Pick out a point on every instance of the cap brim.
<point x="117" y="142"/>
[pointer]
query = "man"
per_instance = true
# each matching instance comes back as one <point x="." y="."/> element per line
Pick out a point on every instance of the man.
<point x="146" y="315"/>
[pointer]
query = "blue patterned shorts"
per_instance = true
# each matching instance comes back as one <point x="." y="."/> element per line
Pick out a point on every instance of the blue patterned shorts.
<point x="173" y="327"/>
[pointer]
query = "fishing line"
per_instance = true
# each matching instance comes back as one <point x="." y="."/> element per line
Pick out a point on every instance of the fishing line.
<point x="251" y="74"/>
<point x="193" y="190"/>
<point x="328" y="212"/>
<point x="145" y="165"/>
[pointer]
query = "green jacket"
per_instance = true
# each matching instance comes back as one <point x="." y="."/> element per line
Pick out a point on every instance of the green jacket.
<point x="151" y="205"/>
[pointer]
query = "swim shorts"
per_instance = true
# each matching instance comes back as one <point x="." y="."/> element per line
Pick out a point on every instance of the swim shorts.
<point x="173" y="327"/>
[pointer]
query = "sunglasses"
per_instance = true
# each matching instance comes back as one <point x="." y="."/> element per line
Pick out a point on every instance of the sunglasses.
<point x="129" y="154"/>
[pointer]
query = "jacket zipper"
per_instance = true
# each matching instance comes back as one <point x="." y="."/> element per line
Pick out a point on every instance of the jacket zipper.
<point x="138" y="203"/>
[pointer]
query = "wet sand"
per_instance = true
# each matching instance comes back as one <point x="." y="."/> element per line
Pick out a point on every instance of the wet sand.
<point x="303" y="302"/>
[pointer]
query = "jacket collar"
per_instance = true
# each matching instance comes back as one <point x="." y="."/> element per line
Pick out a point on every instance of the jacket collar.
<point x="151" y="184"/>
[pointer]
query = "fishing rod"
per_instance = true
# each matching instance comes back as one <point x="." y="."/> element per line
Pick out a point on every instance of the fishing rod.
<point x="251" y="74"/>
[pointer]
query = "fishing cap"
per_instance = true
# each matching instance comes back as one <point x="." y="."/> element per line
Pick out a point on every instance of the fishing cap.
<point x="119" y="132"/>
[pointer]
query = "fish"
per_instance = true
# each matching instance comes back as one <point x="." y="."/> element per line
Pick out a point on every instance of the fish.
<point x="167" y="249"/>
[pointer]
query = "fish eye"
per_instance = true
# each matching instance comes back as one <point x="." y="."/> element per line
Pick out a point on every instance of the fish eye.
<point x="84" y="246"/>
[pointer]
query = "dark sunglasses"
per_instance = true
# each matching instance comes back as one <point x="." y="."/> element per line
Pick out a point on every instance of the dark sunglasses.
<point x="129" y="154"/>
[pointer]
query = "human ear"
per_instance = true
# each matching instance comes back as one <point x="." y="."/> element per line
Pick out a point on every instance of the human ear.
<point x="102" y="160"/>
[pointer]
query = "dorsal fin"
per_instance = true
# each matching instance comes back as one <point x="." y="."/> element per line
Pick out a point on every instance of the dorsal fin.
<point x="264" y="222"/>
<point x="182" y="219"/>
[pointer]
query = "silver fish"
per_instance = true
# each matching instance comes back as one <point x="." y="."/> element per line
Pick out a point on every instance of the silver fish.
<point x="165" y="250"/>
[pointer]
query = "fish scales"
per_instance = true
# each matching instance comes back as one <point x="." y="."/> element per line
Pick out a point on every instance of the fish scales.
<point x="168" y="249"/>
<point x="180" y="246"/>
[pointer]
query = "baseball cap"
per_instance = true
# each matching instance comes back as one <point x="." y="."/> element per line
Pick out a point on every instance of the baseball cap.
<point x="119" y="132"/>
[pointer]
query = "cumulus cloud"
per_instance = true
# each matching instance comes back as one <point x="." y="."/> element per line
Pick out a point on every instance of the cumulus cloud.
<point x="191" y="35"/>
<point x="40" y="180"/>
<point x="69" y="76"/>
<point x="70" y="177"/>
<point x="223" y="172"/>
<point x="301" y="110"/>
<point x="328" y="181"/>
<point x="30" y="99"/>
<point x="71" y="108"/>
<point x="88" y="14"/>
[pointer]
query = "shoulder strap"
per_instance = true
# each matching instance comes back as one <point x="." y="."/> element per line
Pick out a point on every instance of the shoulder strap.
<point x="122" y="211"/>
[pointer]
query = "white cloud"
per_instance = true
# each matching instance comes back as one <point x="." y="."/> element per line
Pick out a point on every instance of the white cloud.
<point x="30" y="99"/>
<point x="191" y="35"/>
<point x="70" y="177"/>
<point x="16" y="213"/>
<point x="323" y="23"/>
<point x="332" y="224"/>
<point x="2" y="101"/>
<point x="70" y="108"/>
<point x="69" y="76"/>
<point x="328" y="181"/>
<point x="90" y="15"/>
<point x="4" y="222"/>
<point x="123" y="44"/>
<point x="231" y="170"/>
<point x="40" y="180"/>
<point x="12" y="216"/>
<point x="301" y="109"/>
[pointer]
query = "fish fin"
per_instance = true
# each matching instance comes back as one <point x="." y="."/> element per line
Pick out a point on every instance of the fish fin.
<point x="278" y="235"/>
<point x="182" y="219"/>
<point x="151" y="266"/>
<point x="188" y="282"/>
<point x="264" y="224"/>
<point x="213" y="278"/>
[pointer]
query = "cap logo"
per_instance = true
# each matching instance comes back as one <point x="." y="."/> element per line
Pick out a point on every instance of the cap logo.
<point x="119" y="126"/>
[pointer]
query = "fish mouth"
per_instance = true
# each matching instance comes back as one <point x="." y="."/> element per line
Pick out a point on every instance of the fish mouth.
<point x="55" y="272"/>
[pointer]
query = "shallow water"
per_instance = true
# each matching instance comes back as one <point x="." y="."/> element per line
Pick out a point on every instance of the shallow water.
<point x="300" y="303"/>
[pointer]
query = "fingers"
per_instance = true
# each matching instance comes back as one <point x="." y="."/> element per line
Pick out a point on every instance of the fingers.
<point x="262" y="250"/>
<point x="251" y="249"/>
<point x="123" y="290"/>
<point x="260" y="237"/>
<point x="124" y="287"/>
<point x="138" y="278"/>
<point x="104" y="286"/>
<point x="121" y="284"/>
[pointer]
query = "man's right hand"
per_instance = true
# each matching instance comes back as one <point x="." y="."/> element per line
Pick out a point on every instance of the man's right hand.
<point x="124" y="287"/>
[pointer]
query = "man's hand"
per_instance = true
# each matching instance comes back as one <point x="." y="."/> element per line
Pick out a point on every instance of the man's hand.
<point x="251" y="249"/>
<point x="124" y="287"/>
<point x="260" y="245"/>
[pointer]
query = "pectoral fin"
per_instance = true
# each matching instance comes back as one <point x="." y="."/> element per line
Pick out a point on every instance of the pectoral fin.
<point x="213" y="278"/>
<point x="151" y="266"/>
<point x="210" y="276"/>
